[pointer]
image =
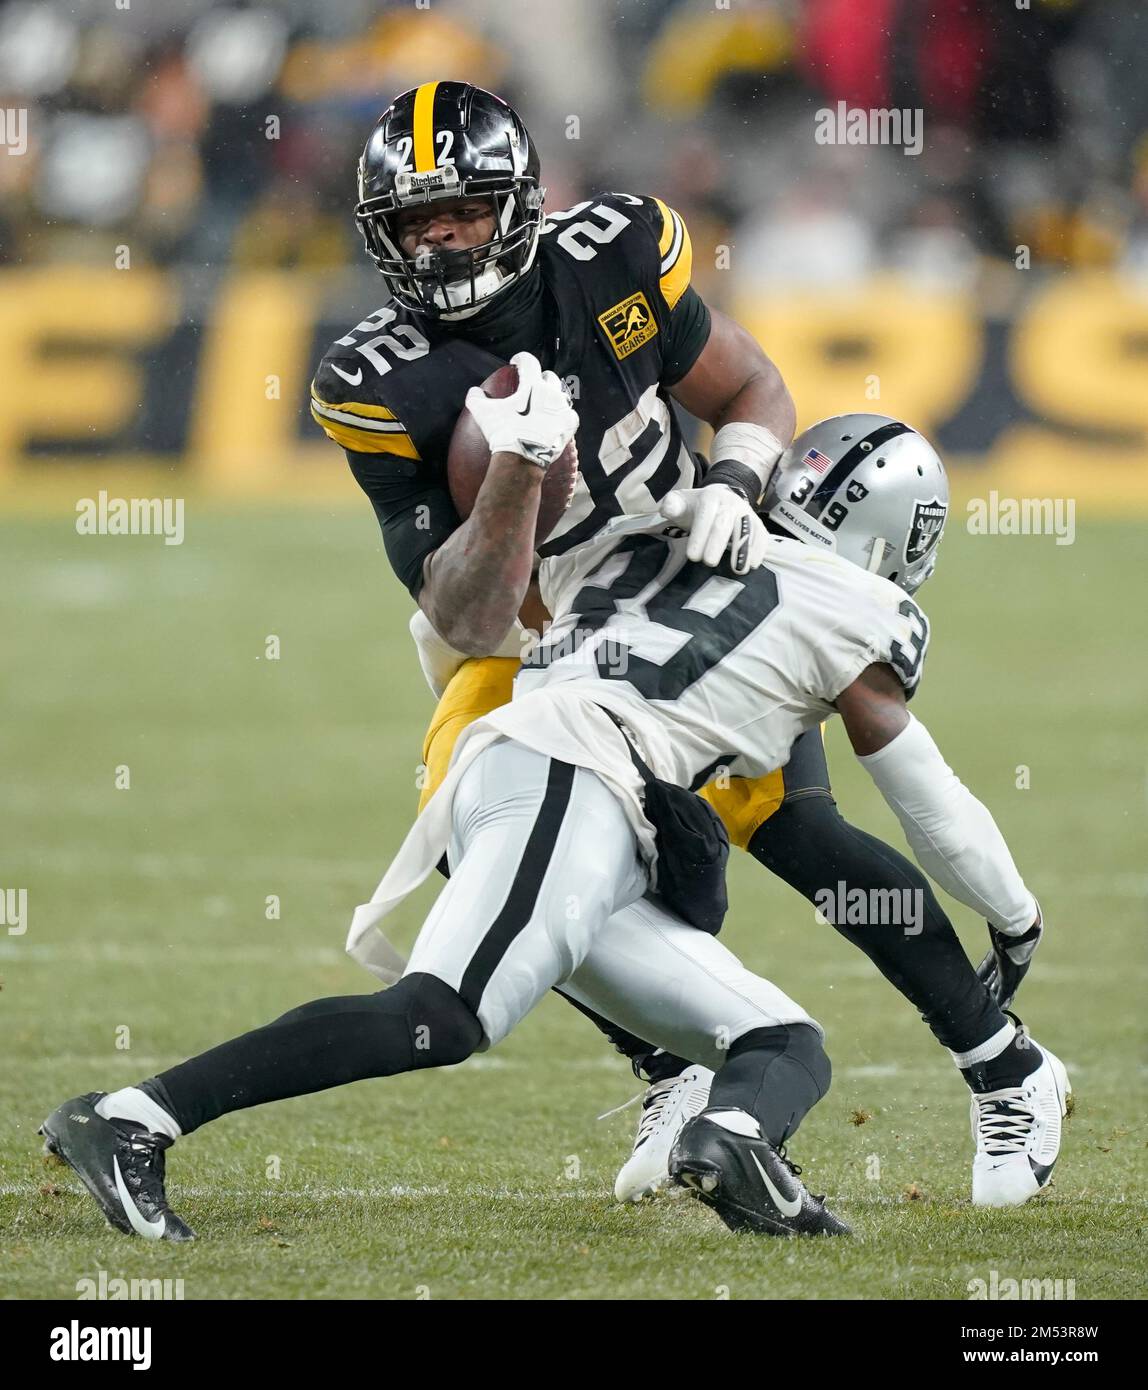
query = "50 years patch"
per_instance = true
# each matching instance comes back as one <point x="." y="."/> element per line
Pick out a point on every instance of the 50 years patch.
<point x="629" y="324"/>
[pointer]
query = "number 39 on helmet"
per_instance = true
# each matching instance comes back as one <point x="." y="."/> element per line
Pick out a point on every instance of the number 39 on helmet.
<point x="867" y="487"/>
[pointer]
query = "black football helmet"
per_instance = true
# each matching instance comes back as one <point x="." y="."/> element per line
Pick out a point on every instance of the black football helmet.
<point x="450" y="140"/>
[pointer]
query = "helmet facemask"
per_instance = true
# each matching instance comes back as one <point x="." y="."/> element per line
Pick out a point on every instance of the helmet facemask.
<point x="453" y="283"/>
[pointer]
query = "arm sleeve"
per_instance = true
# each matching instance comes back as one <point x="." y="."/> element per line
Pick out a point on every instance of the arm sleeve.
<point x="953" y="835"/>
<point x="415" y="512"/>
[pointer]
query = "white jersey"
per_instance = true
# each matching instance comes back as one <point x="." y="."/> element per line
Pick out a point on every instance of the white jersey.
<point x="704" y="670"/>
<point x="709" y="670"/>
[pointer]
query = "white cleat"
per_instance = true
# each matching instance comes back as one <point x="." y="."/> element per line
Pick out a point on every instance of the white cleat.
<point x="1017" y="1132"/>
<point x="666" y="1107"/>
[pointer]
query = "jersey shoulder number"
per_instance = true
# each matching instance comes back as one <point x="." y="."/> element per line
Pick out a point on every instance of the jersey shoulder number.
<point x="907" y="650"/>
<point x="648" y="238"/>
<point x="352" y="393"/>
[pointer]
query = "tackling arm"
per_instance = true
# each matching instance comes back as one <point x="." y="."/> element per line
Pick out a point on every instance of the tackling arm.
<point x="953" y="836"/>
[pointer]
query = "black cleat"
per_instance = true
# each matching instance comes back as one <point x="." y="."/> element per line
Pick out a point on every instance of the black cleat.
<point x="120" y="1164"/>
<point x="751" y="1185"/>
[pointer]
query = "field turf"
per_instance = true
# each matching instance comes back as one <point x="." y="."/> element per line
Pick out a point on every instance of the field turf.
<point x="148" y="939"/>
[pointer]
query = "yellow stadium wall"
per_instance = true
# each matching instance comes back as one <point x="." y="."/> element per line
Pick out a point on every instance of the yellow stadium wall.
<point x="121" y="379"/>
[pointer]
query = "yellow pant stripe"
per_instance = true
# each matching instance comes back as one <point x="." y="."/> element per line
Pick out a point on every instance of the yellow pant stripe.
<point x="478" y="686"/>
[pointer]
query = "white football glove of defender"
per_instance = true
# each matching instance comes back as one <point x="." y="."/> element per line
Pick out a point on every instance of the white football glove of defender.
<point x="536" y="422"/>
<point x="719" y="520"/>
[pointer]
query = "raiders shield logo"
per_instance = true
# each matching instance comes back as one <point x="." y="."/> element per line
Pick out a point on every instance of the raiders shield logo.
<point x="925" y="532"/>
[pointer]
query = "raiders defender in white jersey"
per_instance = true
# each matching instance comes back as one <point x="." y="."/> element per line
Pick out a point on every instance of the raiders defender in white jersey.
<point x="551" y="850"/>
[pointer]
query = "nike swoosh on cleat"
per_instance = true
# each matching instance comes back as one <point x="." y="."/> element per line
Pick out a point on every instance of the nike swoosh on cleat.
<point x="787" y="1208"/>
<point x="354" y="380"/>
<point x="150" y="1230"/>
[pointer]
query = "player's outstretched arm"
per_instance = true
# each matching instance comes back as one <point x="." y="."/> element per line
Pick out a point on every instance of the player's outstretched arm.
<point x="476" y="581"/>
<point x="952" y="834"/>
<point x="737" y="390"/>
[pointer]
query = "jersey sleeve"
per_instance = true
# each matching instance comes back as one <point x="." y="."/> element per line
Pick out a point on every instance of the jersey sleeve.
<point x="879" y="624"/>
<point x="409" y="494"/>
<point x="348" y="412"/>
<point x="414" y="510"/>
<point x="670" y="270"/>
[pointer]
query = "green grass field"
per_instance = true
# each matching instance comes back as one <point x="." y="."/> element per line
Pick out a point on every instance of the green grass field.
<point x="252" y="777"/>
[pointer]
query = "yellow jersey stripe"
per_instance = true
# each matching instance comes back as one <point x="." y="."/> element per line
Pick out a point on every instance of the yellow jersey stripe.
<point x="366" y="441"/>
<point x="677" y="254"/>
<point x="424" y="127"/>
<point x="369" y="412"/>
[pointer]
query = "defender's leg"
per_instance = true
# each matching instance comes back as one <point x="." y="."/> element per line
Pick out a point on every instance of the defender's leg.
<point x="651" y="973"/>
<point x="531" y="836"/>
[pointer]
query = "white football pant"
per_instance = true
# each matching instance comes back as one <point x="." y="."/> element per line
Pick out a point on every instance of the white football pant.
<point x="546" y="888"/>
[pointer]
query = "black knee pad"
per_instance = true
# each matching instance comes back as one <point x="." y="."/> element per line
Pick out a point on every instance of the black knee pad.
<point x="799" y="1041"/>
<point x="443" y="1030"/>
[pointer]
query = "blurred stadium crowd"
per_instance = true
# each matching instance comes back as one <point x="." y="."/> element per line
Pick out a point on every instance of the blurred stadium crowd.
<point x="206" y="133"/>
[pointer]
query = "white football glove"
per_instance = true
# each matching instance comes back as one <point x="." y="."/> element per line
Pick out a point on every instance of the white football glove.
<point x="719" y="521"/>
<point x="536" y="422"/>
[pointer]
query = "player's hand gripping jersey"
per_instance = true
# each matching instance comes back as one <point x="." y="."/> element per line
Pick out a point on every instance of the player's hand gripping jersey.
<point x="616" y="320"/>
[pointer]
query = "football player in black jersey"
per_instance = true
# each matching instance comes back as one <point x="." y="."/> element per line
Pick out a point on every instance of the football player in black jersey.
<point x="451" y="210"/>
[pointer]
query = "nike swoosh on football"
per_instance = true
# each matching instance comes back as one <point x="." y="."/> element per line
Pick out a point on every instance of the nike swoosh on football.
<point x="150" y="1230"/>
<point x="787" y="1208"/>
<point x="355" y="380"/>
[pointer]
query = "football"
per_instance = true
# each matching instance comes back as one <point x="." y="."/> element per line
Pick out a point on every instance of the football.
<point x="468" y="458"/>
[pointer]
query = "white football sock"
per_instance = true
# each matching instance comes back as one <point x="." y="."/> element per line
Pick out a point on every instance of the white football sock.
<point x="736" y="1121"/>
<point x="987" y="1050"/>
<point x="133" y="1104"/>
